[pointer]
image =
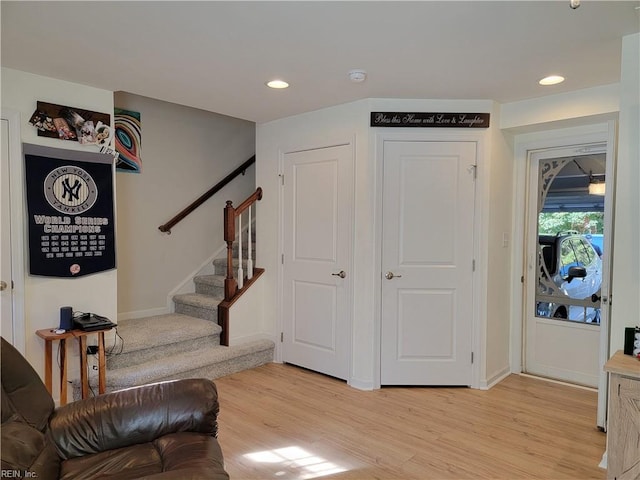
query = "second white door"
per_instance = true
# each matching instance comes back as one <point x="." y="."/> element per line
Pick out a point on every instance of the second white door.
<point x="6" y="299"/>
<point x="318" y="236"/>
<point x="427" y="262"/>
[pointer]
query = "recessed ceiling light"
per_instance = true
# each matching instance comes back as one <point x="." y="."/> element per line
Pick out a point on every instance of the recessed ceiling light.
<point x="551" y="80"/>
<point x="277" y="84"/>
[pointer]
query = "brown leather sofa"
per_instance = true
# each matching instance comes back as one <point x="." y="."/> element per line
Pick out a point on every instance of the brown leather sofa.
<point x="160" y="431"/>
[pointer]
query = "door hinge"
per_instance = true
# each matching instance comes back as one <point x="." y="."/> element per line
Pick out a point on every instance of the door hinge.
<point x="522" y="279"/>
<point x="471" y="357"/>
<point x="473" y="265"/>
<point x="474" y="170"/>
<point x="618" y="389"/>
<point x="282" y="259"/>
<point x="281" y="175"/>
<point x="281" y="337"/>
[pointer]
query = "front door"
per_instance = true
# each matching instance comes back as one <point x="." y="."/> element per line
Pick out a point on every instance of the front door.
<point x="427" y="262"/>
<point x="317" y="279"/>
<point x="567" y="258"/>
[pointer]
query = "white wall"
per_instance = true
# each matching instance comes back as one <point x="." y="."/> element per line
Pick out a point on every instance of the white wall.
<point x="499" y="254"/>
<point x="350" y="123"/>
<point x="582" y="107"/>
<point x="625" y="306"/>
<point x="583" y="112"/>
<point x="185" y="151"/>
<point x="44" y="296"/>
<point x="492" y="284"/>
<point x="246" y="316"/>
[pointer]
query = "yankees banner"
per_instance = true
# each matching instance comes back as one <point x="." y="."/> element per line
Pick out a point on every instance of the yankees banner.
<point x="70" y="208"/>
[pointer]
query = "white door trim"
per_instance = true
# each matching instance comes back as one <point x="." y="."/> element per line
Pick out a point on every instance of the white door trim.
<point x="479" y="240"/>
<point x="524" y="145"/>
<point x="16" y="173"/>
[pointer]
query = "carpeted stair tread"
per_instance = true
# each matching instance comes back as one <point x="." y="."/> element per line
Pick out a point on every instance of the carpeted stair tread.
<point x="184" y="344"/>
<point x="198" y="300"/>
<point x="179" y="365"/>
<point x="210" y="280"/>
<point x="220" y="265"/>
<point x="159" y="330"/>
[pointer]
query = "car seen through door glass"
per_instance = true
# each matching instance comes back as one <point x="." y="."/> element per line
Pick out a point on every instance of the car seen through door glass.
<point x="569" y="278"/>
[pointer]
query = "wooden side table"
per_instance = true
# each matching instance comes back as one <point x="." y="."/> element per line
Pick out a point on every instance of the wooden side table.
<point x="623" y="432"/>
<point x="49" y="336"/>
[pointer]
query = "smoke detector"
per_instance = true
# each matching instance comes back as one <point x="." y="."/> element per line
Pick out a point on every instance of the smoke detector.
<point x="357" y="76"/>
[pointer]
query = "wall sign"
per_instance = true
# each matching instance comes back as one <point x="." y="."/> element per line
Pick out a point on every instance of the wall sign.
<point x="70" y="209"/>
<point x="430" y="119"/>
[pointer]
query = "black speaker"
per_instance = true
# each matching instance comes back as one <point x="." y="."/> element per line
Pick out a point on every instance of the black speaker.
<point x="66" y="318"/>
<point x="629" y="339"/>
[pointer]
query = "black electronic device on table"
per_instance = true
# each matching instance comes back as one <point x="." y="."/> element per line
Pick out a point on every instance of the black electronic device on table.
<point x="90" y="322"/>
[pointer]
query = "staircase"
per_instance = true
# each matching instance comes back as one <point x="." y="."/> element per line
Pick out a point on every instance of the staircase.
<point x="184" y="344"/>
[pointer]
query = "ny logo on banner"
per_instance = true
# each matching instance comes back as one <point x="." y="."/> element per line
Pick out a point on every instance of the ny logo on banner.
<point x="70" y="190"/>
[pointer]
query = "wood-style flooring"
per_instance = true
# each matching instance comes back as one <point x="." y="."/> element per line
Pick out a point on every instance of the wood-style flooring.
<point x="283" y="422"/>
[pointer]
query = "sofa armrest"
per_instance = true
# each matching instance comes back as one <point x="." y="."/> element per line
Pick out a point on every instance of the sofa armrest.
<point x="132" y="416"/>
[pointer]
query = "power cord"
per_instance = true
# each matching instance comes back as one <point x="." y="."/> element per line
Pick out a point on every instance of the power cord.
<point x="112" y="350"/>
<point x="93" y="393"/>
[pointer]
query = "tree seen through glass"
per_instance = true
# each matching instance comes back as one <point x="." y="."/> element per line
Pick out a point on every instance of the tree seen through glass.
<point x="550" y="223"/>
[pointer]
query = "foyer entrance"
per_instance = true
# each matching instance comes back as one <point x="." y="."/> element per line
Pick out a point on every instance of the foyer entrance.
<point x="568" y="258"/>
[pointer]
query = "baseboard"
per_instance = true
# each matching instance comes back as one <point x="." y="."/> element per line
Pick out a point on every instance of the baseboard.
<point x="603" y="462"/>
<point x="250" y="338"/>
<point x="495" y="379"/>
<point x="143" y="313"/>
<point x="559" y="382"/>
<point x="360" y="384"/>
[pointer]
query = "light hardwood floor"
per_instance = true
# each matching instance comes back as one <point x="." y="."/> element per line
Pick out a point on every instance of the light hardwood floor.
<point x="282" y="422"/>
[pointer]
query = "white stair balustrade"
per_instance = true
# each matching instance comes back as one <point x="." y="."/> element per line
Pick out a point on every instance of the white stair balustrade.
<point x="240" y="269"/>
<point x="249" y="249"/>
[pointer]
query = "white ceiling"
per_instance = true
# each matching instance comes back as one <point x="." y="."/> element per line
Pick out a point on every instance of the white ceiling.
<point x="217" y="55"/>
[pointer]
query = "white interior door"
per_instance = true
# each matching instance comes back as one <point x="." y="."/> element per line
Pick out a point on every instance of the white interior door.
<point x="6" y="301"/>
<point x="566" y="318"/>
<point x="12" y="299"/>
<point x="427" y="262"/>
<point x="318" y="236"/>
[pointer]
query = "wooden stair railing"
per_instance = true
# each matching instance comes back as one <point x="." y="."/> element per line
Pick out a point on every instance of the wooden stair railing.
<point x="166" y="228"/>
<point x="236" y="285"/>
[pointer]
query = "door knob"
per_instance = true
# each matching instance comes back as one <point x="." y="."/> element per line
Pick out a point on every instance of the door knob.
<point x="341" y="274"/>
<point x="391" y="275"/>
<point x="3" y="285"/>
